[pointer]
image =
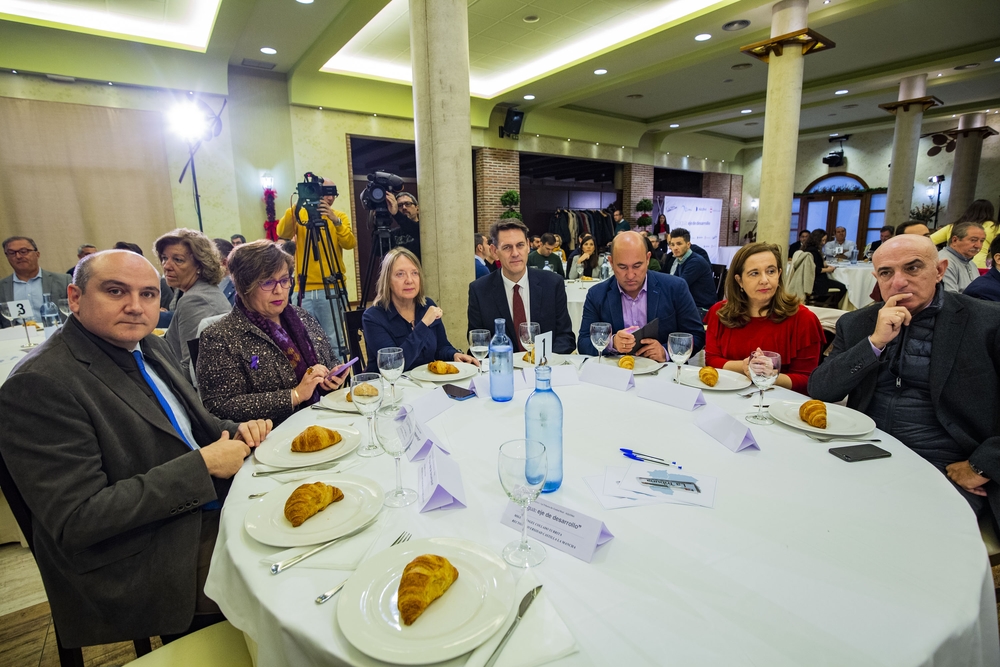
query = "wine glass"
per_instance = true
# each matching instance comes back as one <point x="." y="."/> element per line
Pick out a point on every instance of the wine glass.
<point x="680" y="346"/>
<point x="764" y="368"/>
<point x="479" y="345"/>
<point x="522" y="467"/>
<point x="390" y="364"/>
<point x="6" y="313"/>
<point x="394" y="428"/>
<point x="526" y="332"/>
<point x="64" y="308"/>
<point x="366" y="393"/>
<point x="600" y="334"/>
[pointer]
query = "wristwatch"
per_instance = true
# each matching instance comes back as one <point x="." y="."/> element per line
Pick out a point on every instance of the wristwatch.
<point x="976" y="470"/>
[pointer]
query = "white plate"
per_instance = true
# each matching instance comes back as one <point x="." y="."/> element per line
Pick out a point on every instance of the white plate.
<point x="464" y="371"/>
<point x="337" y="400"/>
<point x="728" y="380"/>
<point x="468" y="614"/>
<point x="276" y="450"/>
<point x="840" y="421"/>
<point x="643" y="365"/>
<point x="554" y="360"/>
<point x="265" y="520"/>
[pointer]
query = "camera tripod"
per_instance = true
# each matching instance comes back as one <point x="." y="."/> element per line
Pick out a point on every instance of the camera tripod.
<point x="381" y="244"/>
<point x="319" y="248"/>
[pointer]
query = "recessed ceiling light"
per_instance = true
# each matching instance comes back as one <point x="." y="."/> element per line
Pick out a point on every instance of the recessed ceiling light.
<point x="110" y="84"/>
<point x="842" y="92"/>
<point x="538" y="135"/>
<point x="687" y="156"/>
<point x="599" y="72"/>
<point x="623" y="147"/>
<point x="835" y="134"/>
<point x="13" y="71"/>
<point x="826" y="2"/>
<point x="703" y="37"/>
<point x="674" y="125"/>
<point x="305" y="2"/>
<point x="738" y="24"/>
<point x="530" y="18"/>
<point x="747" y="111"/>
<point x="953" y="115"/>
<point x="190" y="92"/>
<point x="968" y="66"/>
<point x="597" y="143"/>
<point x="321" y="108"/>
<point x="569" y="140"/>
<point x="267" y="50"/>
<point x="742" y="66"/>
<point x="529" y="97"/>
<point x="997" y="59"/>
<point x="939" y="74"/>
<point x="375" y="114"/>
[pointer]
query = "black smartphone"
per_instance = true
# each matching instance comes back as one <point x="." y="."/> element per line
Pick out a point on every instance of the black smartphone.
<point x="859" y="453"/>
<point x="458" y="393"/>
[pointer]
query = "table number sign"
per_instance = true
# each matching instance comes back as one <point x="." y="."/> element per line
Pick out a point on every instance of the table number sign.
<point x="20" y="309"/>
<point x="606" y="375"/>
<point x="564" y="529"/>
<point x="439" y="483"/>
<point x="543" y="349"/>
<point x="673" y="394"/>
<point x="725" y="428"/>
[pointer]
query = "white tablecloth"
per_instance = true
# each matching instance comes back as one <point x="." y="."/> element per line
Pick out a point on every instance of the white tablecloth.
<point x="859" y="280"/>
<point x="804" y="560"/>
<point x="576" y="294"/>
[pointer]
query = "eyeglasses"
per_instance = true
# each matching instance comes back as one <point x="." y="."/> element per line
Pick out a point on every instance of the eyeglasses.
<point x="22" y="252"/>
<point x="270" y="284"/>
<point x="404" y="204"/>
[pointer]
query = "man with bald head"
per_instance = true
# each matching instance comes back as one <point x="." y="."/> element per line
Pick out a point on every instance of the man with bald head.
<point x="635" y="297"/>
<point x="122" y="468"/>
<point x="925" y="365"/>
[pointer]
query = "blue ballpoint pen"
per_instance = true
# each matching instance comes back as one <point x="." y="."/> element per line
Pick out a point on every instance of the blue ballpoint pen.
<point x="638" y="456"/>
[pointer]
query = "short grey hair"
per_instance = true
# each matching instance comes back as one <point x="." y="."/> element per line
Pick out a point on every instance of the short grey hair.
<point x="204" y="252"/>
<point x="19" y="238"/>
<point x="961" y="230"/>
<point x="407" y="194"/>
<point x="250" y="263"/>
<point x="84" y="247"/>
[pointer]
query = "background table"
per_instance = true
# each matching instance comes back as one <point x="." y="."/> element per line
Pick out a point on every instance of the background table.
<point x="11" y="340"/>
<point x="576" y="294"/>
<point x="804" y="560"/>
<point x="859" y="280"/>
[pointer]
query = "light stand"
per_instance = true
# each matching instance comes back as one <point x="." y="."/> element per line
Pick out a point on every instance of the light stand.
<point x="196" y="123"/>
<point x="937" y="204"/>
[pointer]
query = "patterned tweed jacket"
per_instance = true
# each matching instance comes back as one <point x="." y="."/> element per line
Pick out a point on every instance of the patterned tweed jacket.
<point x="243" y="375"/>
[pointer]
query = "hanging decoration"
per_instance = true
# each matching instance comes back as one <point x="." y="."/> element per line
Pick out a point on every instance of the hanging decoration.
<point x="271" y="224"/>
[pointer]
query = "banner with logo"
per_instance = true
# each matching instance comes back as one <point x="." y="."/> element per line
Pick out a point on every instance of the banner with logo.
<point x="701" y="217"/>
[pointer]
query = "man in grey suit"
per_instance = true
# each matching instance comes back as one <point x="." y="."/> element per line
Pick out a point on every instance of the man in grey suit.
<point x="925" y="365"/>
<point x="29" y="281"/>
<point x="121" y="466"/>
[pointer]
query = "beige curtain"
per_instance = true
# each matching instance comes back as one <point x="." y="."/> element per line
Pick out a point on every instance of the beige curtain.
<point x="73" y="174"/>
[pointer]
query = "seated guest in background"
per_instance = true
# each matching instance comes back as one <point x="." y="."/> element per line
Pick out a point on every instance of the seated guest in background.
<point x="635" y="297"/>
<point x="575" y="252"/>
<point x="654" y="262"/>
<point x="825" y="288"/>
<point x="517" y="295"/>
<point x="987" y="286"/>
<point x="193" y="269"/>
<point x="759" y="314"/>
<point x="979" y="211"/>
<point x="29" y="281"/>
<point x="81" y="252"/>
<point x="482" y="256"/>
<point x="121" y="466"/>
<point x="266" y="357"/>
<point x="839" y="249"/>
<point x="226" y="285"/>
<point x="657" y="250"/>
<point x="545" y="257"/>
<point x="166" y="292"/>
<point x="587" y="263"/>
<point x="621" y="224"/>
<point x="237" y="239"/>
<point x="668" y="256"/>
<point x="966" y="241"/>
<point x="884" y="235"/>
<point x="795" y="247"/>
<point x="916" y="227"/>
<point x="536" y="241"/>
<point x="925" y="365"/>
<point x="401" y="316"/>
<point x="693" y="268"/>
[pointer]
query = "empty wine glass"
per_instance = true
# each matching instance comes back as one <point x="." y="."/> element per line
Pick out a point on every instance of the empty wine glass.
<point x="479" y="345"/>
<point x="6" y="313"/>
<point x="366" y="393"/>
<point x="764" y="368"/>
<point x="394" y="428"/>
<point x="526" y="332"/>
<point x="522" y="466"/>
<point x="64" y="308"/>
<point x="680" y="346"/>
<point x="390" y="364"/>
<point x="600" y="334"/>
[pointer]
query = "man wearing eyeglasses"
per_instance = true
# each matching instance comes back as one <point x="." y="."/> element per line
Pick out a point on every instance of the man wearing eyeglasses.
<point x="29" y="281"/>
<point x="406" y="212"/>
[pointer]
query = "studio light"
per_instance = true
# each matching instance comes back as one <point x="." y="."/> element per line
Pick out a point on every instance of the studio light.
<point x="936" y="179"/>
<point x="196" y="123"/>
<point x="267" y="182"/>
<point x="188" y="121"/>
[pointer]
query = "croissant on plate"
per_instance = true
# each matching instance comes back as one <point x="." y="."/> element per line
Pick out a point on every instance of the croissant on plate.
<point x="627" y="361"/>
<point x="709" y="376"/>
<point x="315" y="438"/>
<point x="425" y="579"/>
<point x="529" y="356"/>
<point x="364" y="389"/>
<point x="441" y="368"/>
<point x="308" y="500"/>
<point x="813" y="413"/>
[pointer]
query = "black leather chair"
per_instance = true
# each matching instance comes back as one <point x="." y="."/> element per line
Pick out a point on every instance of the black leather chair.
<point x="354" y="329"/>
<point x="719" y="272"/>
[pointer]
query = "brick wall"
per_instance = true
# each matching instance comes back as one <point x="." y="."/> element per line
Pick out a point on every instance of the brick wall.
<point x="637" y="183"/>
<point x="728" y="188"/>
<point x="496" y="171"/>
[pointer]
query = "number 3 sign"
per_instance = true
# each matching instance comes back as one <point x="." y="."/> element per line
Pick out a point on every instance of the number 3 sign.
<point x="20" y="309"/>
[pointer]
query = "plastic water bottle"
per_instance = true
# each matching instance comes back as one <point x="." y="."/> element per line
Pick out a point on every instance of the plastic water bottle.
<point x="501" y="364"/>
<point x="854" y="256"/>
<point x="605" y="268"/>
<point x="543" y="421"/>
<point x="49" y="315"/>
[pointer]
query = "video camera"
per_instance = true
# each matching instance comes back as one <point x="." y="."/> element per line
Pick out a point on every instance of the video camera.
<point x="311" y="191"/>
<point x="380" y="183"/>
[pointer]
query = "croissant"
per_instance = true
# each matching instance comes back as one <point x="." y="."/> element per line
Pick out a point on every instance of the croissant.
<point x="441" y="368"/>
<point x="529" y="357"/>
<point x="363" y="389"/>
<point x="314" y="439"/>
<point x="425" y="579"/>
<point x="813" y="413"/>
<point x="309" y="499"/>
<point x="349" y="399"/>
<point x="709" y="376"/>
<point x="628" y="361"/>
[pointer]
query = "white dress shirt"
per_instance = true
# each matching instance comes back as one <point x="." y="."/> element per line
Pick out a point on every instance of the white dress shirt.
<point x="508" y="286"/>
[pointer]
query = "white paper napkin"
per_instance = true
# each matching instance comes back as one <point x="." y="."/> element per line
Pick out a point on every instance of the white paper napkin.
<point x="346" y="555"/>
<point x="541" y="636"/>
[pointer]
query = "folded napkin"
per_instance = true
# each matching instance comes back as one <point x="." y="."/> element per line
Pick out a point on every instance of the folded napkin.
<point x="541" y="636"/>
<point x="346" y="555"/>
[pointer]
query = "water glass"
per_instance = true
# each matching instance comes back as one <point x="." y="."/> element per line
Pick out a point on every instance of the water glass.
<point x="367" y="405"/>
<point x="64" y="308"/>
<point x="680" y="346"/>
<point x="526" y="332"/>
<point x="6" y="313"/>
<point x="764" y="369"/>
<point x="522" y="466"/>
<point x="394" y="429"/>
<point x="479" y="345"/>
<point x="600" y="334"/>
<point x="390" y="365"/>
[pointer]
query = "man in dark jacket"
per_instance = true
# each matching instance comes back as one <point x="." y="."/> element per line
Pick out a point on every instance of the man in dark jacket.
<point x="987" y="286"/>
<point x="693" y="268"/>
<point x="405" y="212"/>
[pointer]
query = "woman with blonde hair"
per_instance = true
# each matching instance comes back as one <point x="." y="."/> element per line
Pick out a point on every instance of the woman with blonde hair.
<point x="402" y="316"/>
<point x="759" y="315"/>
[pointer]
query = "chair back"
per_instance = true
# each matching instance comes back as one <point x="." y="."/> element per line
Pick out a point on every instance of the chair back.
<point x="352" y="318"/>
<point x="719" y="272"/>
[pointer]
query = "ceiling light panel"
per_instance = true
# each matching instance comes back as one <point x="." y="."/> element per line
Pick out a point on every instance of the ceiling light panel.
<point x="184" y="24"/>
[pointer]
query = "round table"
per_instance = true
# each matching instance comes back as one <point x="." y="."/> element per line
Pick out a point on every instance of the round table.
<point x="803" y="560"/>
<point x="859" y="279"/>
<point x="576" y="294"/>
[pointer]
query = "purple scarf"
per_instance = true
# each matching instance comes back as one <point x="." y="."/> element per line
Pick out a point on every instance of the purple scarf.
<point x="291" y="338"/>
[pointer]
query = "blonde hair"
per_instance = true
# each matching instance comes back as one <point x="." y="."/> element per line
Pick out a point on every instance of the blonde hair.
<point x="383" y="289"/>
<point x="204" y="252"/>
<point x="735" y="313"/>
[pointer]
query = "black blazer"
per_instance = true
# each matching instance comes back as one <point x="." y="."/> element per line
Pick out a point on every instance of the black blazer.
<point x="547" y="306"/>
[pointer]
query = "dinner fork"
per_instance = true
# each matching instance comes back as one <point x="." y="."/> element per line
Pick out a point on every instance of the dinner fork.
<point x="403" y="537"/>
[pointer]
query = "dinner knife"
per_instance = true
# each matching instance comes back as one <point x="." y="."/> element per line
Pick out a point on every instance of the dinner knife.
<point x="281" y="566"/>
<point x="285" y="471"/>
<point x="525" y="603"/>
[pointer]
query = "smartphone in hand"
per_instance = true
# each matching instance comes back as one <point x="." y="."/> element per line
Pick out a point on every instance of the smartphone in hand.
<point x="341" y="369"/>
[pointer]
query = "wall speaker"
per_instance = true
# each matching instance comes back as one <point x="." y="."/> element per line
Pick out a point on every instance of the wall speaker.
<point x="512" y="123"/>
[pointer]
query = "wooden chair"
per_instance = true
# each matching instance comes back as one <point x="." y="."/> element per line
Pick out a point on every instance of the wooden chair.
<point x="219" y="645"/>
<point x="988" y="531"/>
<point x="719" y="272"/>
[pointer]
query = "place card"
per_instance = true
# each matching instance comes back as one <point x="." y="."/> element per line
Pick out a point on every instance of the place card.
<point x="607" y="375"/>
<point x="669" y="485"/>
<point x="481" y="383"/>
<point x="430" y="405"/>
<point x="725" y="428"/>
<point x="562" y="376"/>
<point x="20" y="309"/>
<point x="567" y="530"/>
<point x="422" y="441"/>
<point x="439" y="483"/>
<point x="672" y="393"/>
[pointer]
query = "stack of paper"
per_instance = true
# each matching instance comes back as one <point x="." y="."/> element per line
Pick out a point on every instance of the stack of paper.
<point x="644" y="483"/>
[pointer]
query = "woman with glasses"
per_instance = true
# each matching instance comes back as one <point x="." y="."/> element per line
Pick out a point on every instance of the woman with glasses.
<point x="267" y="357"/>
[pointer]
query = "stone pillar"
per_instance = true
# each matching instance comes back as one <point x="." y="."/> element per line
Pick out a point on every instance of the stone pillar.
<point x="497" y="170"/>
<point x="972" y="129"/>
<point x="439" y="46"/>
<point x="909" y="112"/>
<point x="637" y="184"/>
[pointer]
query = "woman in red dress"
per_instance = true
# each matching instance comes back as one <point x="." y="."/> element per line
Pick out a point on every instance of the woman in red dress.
<point x="759" y="315"/>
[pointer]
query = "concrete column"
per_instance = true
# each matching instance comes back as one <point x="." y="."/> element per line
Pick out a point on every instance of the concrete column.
<point x="965" y="172"/>
<point x="781" y="126"/>
<point x="439" y="46"/>
<point x="905" y="149"/>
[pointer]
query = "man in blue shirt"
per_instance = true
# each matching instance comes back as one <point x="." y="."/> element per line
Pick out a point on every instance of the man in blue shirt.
<point x="29" y="281"/>
<point x="693" y="268"/>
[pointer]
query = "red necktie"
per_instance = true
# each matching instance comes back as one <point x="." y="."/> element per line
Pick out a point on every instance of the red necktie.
<point x="519" y="317"/>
